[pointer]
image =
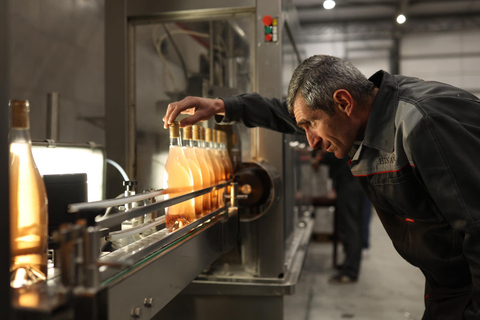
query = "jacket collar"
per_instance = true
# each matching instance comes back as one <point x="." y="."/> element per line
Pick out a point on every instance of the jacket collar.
<point x="380" y="129"/>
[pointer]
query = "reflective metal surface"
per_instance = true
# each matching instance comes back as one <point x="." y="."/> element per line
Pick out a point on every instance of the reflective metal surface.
<point x="162" y="275"/>
<point x="228" y="294"/>
<point x="175" y="49"/>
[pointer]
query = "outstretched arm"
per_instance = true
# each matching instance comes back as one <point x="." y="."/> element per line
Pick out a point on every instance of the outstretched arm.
<point x="251" y="109"/>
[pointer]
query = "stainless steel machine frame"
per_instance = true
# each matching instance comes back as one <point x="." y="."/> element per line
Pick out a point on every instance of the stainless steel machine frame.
<point x="273" y="246"/>
<point x="267" y="146"/>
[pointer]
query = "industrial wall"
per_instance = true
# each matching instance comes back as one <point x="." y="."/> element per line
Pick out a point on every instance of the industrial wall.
<point x="450" y="57"/>
<point x="58" y="46"/>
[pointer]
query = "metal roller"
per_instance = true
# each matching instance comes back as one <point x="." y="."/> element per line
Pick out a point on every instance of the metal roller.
<point x="261" y="185"/>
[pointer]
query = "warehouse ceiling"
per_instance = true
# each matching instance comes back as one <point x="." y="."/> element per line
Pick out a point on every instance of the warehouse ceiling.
<point x="376" y="19"/>
<point x="313" y="12"/>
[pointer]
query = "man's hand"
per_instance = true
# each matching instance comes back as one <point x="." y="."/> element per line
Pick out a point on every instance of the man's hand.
<point x="199" y="109"/>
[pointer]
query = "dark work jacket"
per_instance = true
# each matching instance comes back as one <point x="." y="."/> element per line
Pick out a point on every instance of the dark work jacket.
<point x="417" y="164"/>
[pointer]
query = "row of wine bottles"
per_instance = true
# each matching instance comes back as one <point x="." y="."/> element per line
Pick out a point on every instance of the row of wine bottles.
<point x="197" y="160"/>
<point x="200" y="162"/>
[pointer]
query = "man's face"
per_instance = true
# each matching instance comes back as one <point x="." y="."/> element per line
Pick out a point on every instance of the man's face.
<point x="333" y="133"/>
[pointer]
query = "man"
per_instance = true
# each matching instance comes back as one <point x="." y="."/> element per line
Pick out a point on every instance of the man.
<point x="413" y="147"/>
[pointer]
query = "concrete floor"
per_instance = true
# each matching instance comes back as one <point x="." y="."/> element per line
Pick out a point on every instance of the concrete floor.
<point x="388" y="288"/>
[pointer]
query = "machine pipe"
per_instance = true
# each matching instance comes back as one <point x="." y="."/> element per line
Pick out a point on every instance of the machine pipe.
<point x="53" y="113"/>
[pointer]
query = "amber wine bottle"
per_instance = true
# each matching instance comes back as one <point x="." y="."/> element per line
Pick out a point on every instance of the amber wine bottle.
<point x="222" y="138"/>
<point x="208" y="175"/>
<point x="218" y="166"/>
<point x="216" y="148"/>
<point x="28" y="204"/>
<point x="221" y="163"/>
<point x="213" y="168"/>
<point x="177" y="180"/>
<point x="195" y="168"/>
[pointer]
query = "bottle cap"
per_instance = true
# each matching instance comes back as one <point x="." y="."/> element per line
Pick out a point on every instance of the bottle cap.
<point x="219" y="136"/>
<point x="20" y="110"/>
<point x="196" y="132"/>
<point x="208" y="135"/>
<point x="187" y="133"/>
<point x="174" y="129"/>
<point x="202" y="133"/>
<point x="214" y="135"/>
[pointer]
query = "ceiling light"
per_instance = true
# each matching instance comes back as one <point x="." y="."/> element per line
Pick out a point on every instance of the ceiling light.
<point x="401" y="19"/>
<point x="329" y="4"/>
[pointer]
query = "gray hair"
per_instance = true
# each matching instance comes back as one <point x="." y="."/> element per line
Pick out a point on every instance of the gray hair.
<point x="317" y="78"/>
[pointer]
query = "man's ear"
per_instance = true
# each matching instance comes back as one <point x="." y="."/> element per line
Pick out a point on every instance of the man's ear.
<point x="344" y="100"/>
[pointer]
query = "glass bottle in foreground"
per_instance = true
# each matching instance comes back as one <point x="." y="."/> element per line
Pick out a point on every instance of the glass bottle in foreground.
<point x="28" y="205"/>
<point x="177" y="179"/>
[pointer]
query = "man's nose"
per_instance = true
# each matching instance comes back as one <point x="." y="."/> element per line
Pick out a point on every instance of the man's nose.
<point x="313" y="140"/>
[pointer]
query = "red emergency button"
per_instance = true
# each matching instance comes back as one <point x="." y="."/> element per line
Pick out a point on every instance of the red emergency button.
<point x="267" y="20"/>
<point x="268" y="37"/>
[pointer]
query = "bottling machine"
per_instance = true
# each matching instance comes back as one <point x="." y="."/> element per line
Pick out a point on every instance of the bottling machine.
<point x="116" y="261"/>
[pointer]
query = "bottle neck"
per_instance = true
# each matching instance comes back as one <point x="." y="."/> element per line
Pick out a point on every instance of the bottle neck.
<point x="175" y="142"/>
<point x="20" y="135"/>
<point x="196" y="143"/>
<point x="20" y="126"/>
<point x="188" y="143"/>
